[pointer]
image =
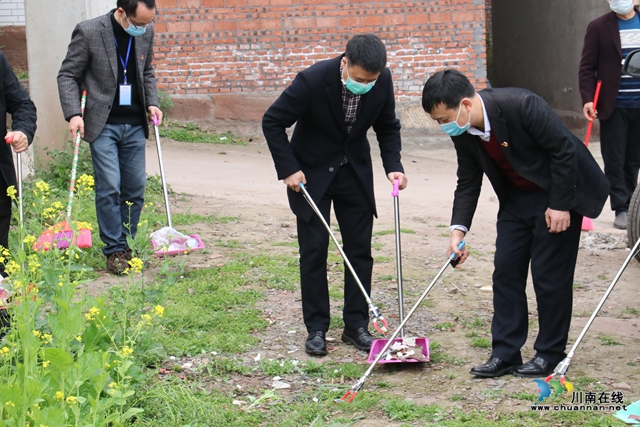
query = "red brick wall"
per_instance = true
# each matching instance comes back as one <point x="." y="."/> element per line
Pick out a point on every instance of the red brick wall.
<point x="252" y="49"/>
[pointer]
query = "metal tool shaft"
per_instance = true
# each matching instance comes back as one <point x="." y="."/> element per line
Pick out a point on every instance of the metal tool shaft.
<point x="632" y="253"/>
<point x="396" y="205"/>
<point x="335" y="240"/>
<point x="413" y="309"/>
<point x="20" y="194"/>
<point x="165" y="192"/>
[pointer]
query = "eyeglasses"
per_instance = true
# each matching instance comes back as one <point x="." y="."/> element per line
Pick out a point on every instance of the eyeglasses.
<point x="139" y="27"/>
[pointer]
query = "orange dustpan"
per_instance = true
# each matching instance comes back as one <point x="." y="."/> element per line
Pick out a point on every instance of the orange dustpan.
<point x="61" y="235"/>
<point x="587" y="223"/>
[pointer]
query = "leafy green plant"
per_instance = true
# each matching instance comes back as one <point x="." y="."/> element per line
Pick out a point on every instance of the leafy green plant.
<point x="481" y="342"/>
<point x="166" y="104"/>
<point x="56" y="171"/>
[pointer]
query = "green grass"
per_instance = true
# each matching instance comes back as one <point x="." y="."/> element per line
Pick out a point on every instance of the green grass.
<point x="386" y="278"/>
<point x="401" y="409"/>
<point x="444" y="325"/>
<point x="336" y="322"/>
<point x="292" y="244"/>
<point x="630" y="311"/>
<point x="386" y="232"/>
<point x="190" y="132"/>
<point x="232" y="244"/>
<point x="475" y="323"/>
<point x="481" y="342"/>
<point x="523" y="395"/>
<point x="212" y="309"/>
<point x="607" y="340"/>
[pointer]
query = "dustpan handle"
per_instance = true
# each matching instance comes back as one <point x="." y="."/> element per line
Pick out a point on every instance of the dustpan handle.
<point x="74" y="165"/>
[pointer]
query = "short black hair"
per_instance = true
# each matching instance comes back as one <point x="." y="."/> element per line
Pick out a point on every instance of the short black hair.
<point x="446" y="87"/>
<point x="130" y="7"/>
<point x="367" y="51"/>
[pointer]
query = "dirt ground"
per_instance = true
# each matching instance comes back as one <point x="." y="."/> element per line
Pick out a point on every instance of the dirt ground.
<point x="241" y="182"/>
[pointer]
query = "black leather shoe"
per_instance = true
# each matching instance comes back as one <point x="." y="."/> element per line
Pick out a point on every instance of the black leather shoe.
<point x="361" y="338"/>
<point x="493" y="368"/>
<point x="316" y="344"/>
<point x="535" y="368"/>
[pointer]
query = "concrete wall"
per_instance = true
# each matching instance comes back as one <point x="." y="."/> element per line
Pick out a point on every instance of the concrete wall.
<point x="48" y="35"/>
<point x="537" y="45"/>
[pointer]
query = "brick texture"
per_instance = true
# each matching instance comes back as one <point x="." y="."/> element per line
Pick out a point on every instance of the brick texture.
<point x="254" y="48"/>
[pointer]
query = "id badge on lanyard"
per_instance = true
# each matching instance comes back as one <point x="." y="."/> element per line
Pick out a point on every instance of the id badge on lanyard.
<point x="124" y="89"/>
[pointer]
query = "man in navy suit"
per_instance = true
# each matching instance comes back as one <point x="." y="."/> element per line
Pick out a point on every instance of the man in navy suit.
<point x="546" y="180"/>
<point x="333" y="104"/>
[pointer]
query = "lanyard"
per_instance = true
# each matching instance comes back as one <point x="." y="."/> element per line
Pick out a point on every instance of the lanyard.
<point x="124" y="62"/>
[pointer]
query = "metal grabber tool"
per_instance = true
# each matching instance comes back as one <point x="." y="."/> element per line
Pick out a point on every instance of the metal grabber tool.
<point x="374" y="311"/>
<point x="563" y="366"/>
<point x="351" y="394"/>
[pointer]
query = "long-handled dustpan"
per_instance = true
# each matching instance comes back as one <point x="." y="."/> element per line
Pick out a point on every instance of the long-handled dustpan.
<point x="351" y="394"/>
<point x="402" y="349"/>
<point x="169" y="241"/>
<point x="563" y="366"/>
<point x="374" y="311"/>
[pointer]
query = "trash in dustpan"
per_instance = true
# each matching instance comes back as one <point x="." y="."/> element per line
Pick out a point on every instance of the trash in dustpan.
<point x="168" y="241"/>
<point x="401" y="350"/>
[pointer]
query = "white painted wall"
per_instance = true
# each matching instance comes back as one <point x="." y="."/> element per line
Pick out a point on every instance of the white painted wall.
<point x="48" y="34"/>
<point x="12" y="12"/>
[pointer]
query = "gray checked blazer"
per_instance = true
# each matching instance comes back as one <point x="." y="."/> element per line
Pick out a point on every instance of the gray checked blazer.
<point x="91" y="64"/>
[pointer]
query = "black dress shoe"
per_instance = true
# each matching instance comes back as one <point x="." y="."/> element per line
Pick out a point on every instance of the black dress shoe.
<point x="316" y="344"/>
<point x="361" y="338"/>
<point x="493" y="368"/>
<point x="535" y="368"/>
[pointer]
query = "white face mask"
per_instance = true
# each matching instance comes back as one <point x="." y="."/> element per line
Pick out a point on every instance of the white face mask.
<point x="621" y="7"/>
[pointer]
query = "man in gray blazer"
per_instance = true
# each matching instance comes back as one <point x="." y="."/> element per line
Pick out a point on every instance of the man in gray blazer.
<point x="111" y="58"/>
<point x="546" y="180"/>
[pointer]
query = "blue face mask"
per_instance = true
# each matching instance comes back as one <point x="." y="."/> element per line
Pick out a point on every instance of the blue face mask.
<point x="453" y="128"/>
<point x="358" y="88"/>
<point x="134" y="30"/>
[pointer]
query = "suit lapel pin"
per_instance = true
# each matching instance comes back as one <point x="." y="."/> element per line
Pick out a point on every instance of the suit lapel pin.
<point x="504" y="144"/>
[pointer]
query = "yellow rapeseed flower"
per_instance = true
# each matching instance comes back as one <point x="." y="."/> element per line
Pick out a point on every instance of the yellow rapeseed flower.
<point x="10" y="403"/>
<point x="37" y="333"/>
<point x="12" y="267"/>
<point x="29" y="240"/>
<point x="136" y="265"/>
<point x="146" y="318"/>
<point x="46" y="364"/>
<point x="59" y="395"/>
<point x="158" y="310"/>
<point x="47" y="337"/>
<point x="71" y="400"/>
<point x="4" y="351"/>
<point x="42" y="186"/>
<point x="79" y="338"/>
<point x="11" y="191"/>
<point x="113" y="385"/>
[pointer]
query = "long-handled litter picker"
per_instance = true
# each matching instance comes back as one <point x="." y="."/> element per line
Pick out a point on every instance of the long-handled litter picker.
<point x="563" y="366"/>
<point x="351" y="394"/>
<point x="169" y="241"/>
<point x="374" y="311"/>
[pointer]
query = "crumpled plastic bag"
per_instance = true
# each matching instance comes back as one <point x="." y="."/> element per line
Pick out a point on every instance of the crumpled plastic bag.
<point x="167" y="239"/>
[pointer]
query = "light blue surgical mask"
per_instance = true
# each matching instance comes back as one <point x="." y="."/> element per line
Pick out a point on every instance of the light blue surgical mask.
<point x="453" y="128"/>
<point x="357" y="88"/>
<point x="135" y="30"/>
<point x="621" y="7"/>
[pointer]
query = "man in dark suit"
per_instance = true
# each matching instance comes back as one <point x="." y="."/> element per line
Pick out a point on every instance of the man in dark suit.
<point x="15" y="101"/>
<point x="608" y="41"/>
<point x="111" y="58"/>
<point x="545" y="180"/>
<point x="333" y="103"/>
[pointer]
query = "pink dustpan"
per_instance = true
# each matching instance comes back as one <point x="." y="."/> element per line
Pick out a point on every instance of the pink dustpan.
<point x="378" y="345"/>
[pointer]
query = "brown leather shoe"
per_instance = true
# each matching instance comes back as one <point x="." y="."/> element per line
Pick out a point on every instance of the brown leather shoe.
<point x="117" y="263"/>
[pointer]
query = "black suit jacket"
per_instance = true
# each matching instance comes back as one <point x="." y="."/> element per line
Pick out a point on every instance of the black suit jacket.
<point x="601" y="60"/>
<point x="538" y="146"/>
<point x="320" y="139"/>
<point x="14" y="100"/>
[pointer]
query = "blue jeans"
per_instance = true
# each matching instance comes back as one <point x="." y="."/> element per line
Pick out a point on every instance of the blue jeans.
<point x="118" y="156"/>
